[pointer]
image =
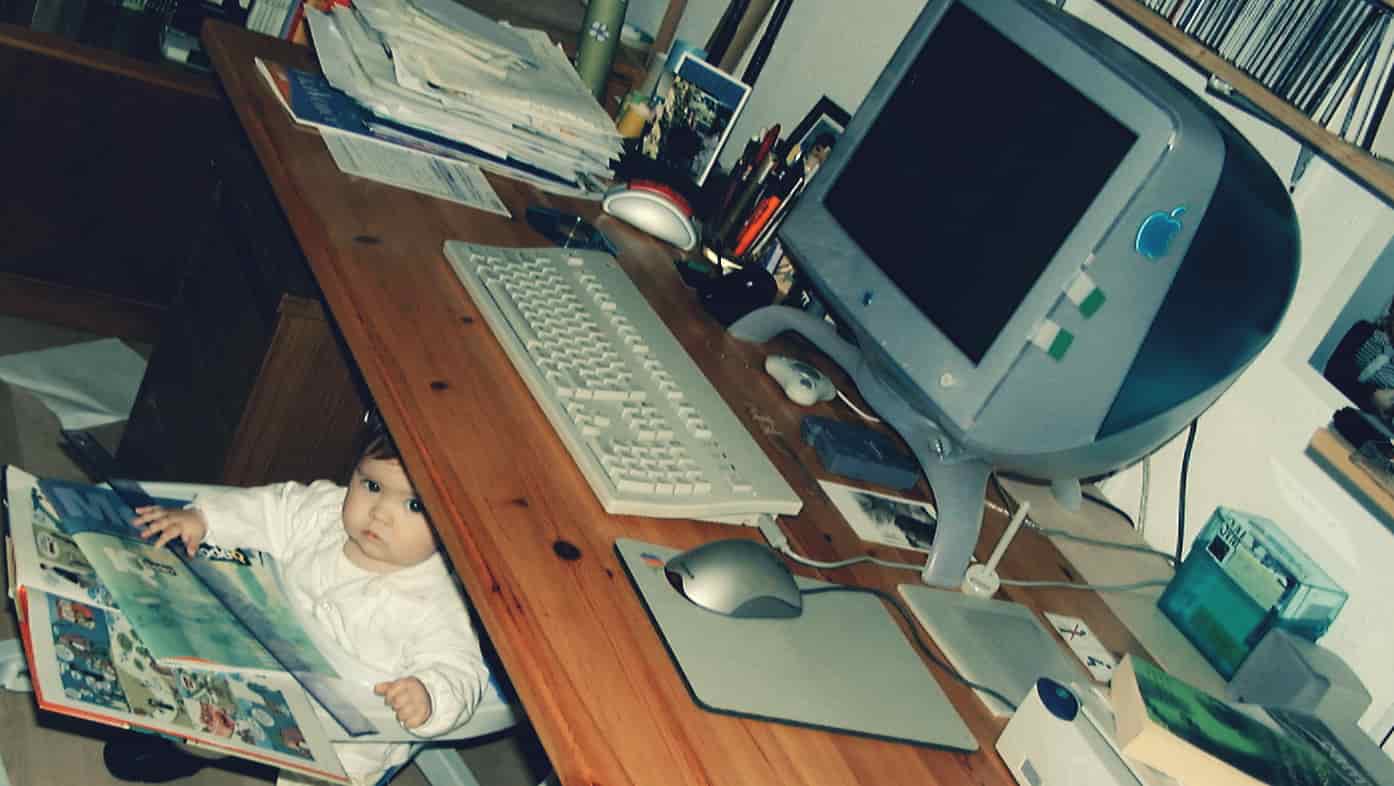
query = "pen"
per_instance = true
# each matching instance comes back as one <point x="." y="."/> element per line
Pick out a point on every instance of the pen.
<point x="747" y="196"/>
<point x="766" y="161"/>
<point x="790" y="183"/>
<point x="739" y="172"/>
<point x="758" y="217"/>
<point x="767" y="144"/>
<point x="773" y="224"/>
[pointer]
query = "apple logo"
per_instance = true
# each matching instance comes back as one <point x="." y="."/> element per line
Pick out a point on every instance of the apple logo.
<point x="1157" y="230"/>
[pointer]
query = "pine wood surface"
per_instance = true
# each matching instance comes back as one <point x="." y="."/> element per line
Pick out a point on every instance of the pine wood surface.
<point x="594" y="677"/>
<point x="1354" y="161"/>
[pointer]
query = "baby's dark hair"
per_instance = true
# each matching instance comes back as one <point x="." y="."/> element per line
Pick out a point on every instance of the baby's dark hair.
<point x="376" y="443"/>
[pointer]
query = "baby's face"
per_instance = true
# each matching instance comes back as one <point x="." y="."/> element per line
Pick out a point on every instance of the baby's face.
<point x="385" y="522"/>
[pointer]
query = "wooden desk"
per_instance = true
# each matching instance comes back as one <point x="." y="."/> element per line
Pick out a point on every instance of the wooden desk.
<point x="524" y="531"/>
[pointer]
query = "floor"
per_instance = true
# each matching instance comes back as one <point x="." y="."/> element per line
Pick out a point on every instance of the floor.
<point x="43" y="749"/>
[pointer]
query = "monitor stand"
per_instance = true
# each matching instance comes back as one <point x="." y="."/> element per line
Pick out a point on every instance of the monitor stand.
<point x="958" y="479"/>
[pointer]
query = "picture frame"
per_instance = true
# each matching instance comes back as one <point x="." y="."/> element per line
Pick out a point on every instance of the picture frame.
<point x="884" y="518"/>
<point x="695" y="119"/>
<point x="825" y="116"/>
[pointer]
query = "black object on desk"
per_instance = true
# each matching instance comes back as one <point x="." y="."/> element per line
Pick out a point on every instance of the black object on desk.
<point x="568" y="230"/>
<point x="860" y="453"/>
<point x="737" y="293"/>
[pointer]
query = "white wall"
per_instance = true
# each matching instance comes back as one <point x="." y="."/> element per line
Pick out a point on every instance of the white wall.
<point x="1250" y="447"/>
<point x="1249" y="452"/>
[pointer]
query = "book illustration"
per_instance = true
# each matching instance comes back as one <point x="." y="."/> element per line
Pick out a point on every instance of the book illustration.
<point x="1197" y="738"/>
<point x="180" y="605"/>
<point x="93" y="664"/>
<point x="82" y="647"/>
<point x="1341" y="749"/>
<point x="62" y="568"/>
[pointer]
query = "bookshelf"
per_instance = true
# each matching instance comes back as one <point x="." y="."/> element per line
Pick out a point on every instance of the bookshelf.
<point x="1352" y="160"/>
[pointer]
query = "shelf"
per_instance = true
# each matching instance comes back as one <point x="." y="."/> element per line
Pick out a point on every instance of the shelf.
<point x="1353" y="161"/>
<point x="1332" y="452"/>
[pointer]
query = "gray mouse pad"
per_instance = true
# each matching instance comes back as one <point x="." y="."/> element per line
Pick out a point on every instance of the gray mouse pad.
<point x="842" y="665"/>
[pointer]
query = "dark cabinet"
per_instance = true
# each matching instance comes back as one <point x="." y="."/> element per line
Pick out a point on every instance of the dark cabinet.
<point x="248" y="382"/>
<point x="134" y="207"/>
<point x="106" y="173"/>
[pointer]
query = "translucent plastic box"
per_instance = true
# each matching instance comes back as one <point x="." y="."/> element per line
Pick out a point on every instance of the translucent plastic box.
<point x="1242" y="577"/>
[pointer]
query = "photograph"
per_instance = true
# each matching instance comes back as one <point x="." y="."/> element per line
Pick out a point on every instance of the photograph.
<point x="695" y="117"/>
<point x="818" y="132"/>
<point x="881" y="518"/>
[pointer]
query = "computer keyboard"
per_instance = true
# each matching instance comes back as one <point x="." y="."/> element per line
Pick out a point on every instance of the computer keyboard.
<point x="645" y="426"/>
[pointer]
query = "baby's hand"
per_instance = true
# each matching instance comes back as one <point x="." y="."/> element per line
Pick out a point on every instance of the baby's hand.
<point x="187" y="525"/>
<point x="408" y="698"/>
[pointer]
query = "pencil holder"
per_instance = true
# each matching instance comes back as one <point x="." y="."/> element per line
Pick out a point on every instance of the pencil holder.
<point x="600" y="33"/>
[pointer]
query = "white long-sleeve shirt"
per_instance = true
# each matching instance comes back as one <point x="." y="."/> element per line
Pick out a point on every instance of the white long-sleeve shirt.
<point x="408" y="623"/>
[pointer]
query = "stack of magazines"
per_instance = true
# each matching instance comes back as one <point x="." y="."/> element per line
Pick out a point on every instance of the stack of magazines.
<point x="1331" y="59"/>
<point x="449" y="75"/>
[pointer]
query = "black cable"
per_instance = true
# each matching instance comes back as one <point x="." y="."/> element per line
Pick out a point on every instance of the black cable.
<point x="1181" y="504"/>
<point x="914" y="624"/>
<point x="1386" y="736"/>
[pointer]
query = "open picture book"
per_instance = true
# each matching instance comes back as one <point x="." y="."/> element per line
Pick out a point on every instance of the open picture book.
<point x="205" y="649"/>
<point x="1196" y="738"/>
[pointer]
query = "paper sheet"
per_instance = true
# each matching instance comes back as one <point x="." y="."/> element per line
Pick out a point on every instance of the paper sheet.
<point x="85" y="385"/>
<point x="413" y="170"/>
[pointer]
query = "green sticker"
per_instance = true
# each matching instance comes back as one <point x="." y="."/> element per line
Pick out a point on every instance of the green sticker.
<point x="1061" y="344"/>
<point x="1092" y="303"/>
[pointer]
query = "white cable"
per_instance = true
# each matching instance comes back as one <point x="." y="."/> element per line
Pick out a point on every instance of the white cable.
<point x="779" y="542"/>
<point x="1060" y="533"/>
<point x="813" y="563"/>
<point x="865" y="416"/>
<point x="1094" y="587"/>
<point x="982" y="580"/>
<point x="1142" y="497"/>
<point x="1108" y="544"/>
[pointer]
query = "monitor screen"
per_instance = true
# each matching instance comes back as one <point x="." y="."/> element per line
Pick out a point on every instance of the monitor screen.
<point x="937" y="220"/>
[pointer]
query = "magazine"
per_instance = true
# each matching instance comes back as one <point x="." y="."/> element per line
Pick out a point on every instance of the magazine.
<point x="118" y="631"/>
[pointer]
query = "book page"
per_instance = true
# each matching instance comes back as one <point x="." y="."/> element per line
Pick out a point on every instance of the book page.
<point x="44" y="556"/>
<point x="177" y="615"/>
<point x="89" y="662"/>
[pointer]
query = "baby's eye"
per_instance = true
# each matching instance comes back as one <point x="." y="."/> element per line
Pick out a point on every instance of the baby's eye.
<point x="414" y="505"/>
<point x="372" y="485"/>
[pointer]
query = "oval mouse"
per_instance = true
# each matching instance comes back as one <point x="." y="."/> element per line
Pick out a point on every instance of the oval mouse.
<point x="655" y="209"/>
<point x="736" y="577"/>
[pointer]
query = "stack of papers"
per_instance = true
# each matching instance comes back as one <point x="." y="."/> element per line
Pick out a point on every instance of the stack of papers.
<point x="506" y="99"/>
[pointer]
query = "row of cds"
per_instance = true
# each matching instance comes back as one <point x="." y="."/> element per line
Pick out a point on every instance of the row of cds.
<point x="1331" y="59"/>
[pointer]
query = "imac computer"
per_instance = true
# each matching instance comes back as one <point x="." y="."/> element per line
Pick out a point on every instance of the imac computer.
<point x="1042" y="254"/>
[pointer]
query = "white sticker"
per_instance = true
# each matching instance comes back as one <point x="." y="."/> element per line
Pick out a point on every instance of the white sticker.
<point x="1082" y="642"/>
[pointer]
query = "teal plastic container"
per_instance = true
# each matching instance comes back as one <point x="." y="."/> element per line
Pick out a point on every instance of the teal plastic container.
<point x="1243" y="577"/>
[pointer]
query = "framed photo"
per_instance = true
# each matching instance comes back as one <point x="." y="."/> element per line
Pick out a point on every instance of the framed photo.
<point x="819" y="131"/>
<point x="881" y="518"/>
<point x="696" y="117"/>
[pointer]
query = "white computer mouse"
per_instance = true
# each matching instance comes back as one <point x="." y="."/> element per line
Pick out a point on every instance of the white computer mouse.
<point x="653" y="208"/>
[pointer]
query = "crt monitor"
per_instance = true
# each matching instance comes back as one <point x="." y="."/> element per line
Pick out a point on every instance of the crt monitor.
<point x="1049" y="256"/>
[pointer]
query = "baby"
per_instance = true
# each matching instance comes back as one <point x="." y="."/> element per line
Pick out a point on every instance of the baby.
<point x="363" y="562"/>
